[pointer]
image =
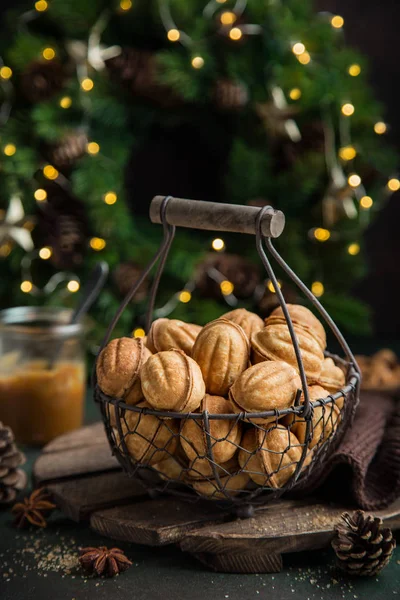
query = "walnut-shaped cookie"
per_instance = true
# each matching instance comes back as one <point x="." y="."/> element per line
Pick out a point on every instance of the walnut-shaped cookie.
<point x="231" y="482"/>
<point x="303" y="318"/>
<point x="270" y="457"/>
<point x="248" y="321"/>
<point x="171" y="380"/>
<point x="170" y="469"/>
<point x="269" y="385"/>
<point x="222" y="351"/>
<point x="332" y="378"/>
<point x="165" y="334"/>
<point x="224" y="434"/>
<point x="274" y="343"/>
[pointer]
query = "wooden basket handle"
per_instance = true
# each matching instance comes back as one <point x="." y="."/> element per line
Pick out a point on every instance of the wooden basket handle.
<point x="213" y="216"/>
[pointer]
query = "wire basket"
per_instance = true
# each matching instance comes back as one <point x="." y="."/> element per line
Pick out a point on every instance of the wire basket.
<point x="239" y="460"/>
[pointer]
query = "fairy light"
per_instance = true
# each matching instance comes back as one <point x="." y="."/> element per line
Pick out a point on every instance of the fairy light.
<point x="185" y="297"/>
<point x="138" y="333"/>
<point x="394" y="184"/>
<point x="337" y="22"/>
<point x="197" y="62"/>
<point x="298" y="48"/>
<point x="354" y="180"/>
<point x="50" y="172"/>
<point x="65" y="102"/>
<point x="304" y="58"/>
<point x="348" y="109"/>
<point x="110" y="198"/>
<point x="93" y="148"/>
<point x="221" y="1"/>
<point x="29" y="225"/>
<point x="26" y="286"/>
<point x="5" y="72"/>
<point x="354" y="70"/>
<point x="353" y="249"/>
<point x="271" y="286"/>
<point x="45" y="253"/>
<point x="48" y="53"/>
<point x="73" y="285"/>
<point x="321" y="234"/>
<point x="295" y="94"/>
<point x="9" y="149"/>
<point x="347" y="153"/>
<point x="173" y="35"/>
<point x="235" y="34"/>
<point x="5" y="250"/>
<point x="40" y="195"/>
<point x="87" y="84"/>
<point x="227" y="287"/>
<point x="380" y="128"/>
<point x="125" y="5"/>
<point x="317" y="288"/>
<point x="218" y="244"/>
<point x="97" y="243"/>
<point x="228" y="18"/>
<point x="41" y="5"/>
<point x="366" y="202"/>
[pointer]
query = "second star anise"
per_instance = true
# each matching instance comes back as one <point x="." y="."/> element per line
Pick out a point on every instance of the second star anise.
<point x="33" y="510"/>
<point x="104" y="561"/>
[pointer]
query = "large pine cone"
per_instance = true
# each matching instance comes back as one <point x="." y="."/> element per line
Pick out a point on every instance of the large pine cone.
<point x="239" y="271"/>
<point x="362" y="545"/>
<point x="12" y="479"/>
<point x="69" y="149"/>
<point x="42" y="79"/>
<point x="230" y="95"/>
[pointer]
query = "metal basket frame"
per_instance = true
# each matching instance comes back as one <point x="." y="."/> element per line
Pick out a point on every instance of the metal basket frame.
<point x="245" y="502"/>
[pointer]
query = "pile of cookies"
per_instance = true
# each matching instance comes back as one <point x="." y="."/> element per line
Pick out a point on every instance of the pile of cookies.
<point x="235" y="364"/>
<point x="380" y="372"/>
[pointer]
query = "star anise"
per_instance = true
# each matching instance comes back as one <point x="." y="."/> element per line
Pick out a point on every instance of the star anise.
<point x="103" y="561"/>
<point x="33" y="510"/>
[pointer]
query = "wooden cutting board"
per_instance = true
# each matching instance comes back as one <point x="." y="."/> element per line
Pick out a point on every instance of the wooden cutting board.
<point x="87" y="484"/>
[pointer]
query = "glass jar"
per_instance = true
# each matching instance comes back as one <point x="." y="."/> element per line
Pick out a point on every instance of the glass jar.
<point x="42" y="373"/>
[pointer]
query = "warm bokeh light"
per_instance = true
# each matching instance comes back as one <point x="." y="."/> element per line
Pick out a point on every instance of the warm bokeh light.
<point x="348" y="109"/>
<point x="97" y="243"/>
<point x="218" y="244"/>
<point x="298" y="48"/>
<point x="337" y="22"/>
<point x="228" y="18"/>
<point x="5" y="250"/>
<point x="40" y="195"/>
<point x="41" y="5"/>
<point x="48" y="53"/>
<point x="45" y="253"/>
<point x="271" y="286"/>
<point x="235" y="33"/>
<point x="185" y="296"/>
<point x="304" y="58"/>
<point x="354" y="180"/>
<point x="347" y="153"/>
<point x="9" y="149"/>
<point x="173" y="35"/>
<point x="139" y="333"/>
<point x="295" y="94"/>
<point x="65" y="102"/>
<point x="321" y="234"/>
<point x="5" y="72"/>
<point x="50" y="172"/>
<point x="26" y="287"/>
<point x="317" y="288"/>
<point x="353" y="249"/>
<point x="110" y="198"/>
<point x="366" y="202"/>
<point x="87" y="84"/>
<point x="93" y="148"/>
<point x="354" y="70"/>
<point x="380" y="127"/>
<point x="227" y="287"/>
<point x="197" y="62"/>
<point x="125" y="4"/>
<point x="73" y="285"/>
<point x="393" y="184"/>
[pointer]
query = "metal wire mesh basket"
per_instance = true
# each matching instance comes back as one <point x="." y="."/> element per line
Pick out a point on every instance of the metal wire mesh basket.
<point x="240" y="459"/>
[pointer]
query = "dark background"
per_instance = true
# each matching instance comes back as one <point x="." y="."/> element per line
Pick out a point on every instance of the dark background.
<point x="372" y="27"/>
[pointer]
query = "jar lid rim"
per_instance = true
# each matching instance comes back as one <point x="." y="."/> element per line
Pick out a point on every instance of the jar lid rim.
<point x="49" y="320"/>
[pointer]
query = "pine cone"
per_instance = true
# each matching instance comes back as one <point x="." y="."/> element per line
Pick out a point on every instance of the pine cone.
<point x="69" y="149"/>
<point x="362" y="545"/>
<point x="239" y="271"/>
<point x="42" y="79"/>
<point x="230" y="95"/>
<point x="12" y="479"/>
<point x="125" y="276"/>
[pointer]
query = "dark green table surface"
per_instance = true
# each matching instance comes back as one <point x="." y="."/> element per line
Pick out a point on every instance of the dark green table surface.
<point x="31" y="569"/>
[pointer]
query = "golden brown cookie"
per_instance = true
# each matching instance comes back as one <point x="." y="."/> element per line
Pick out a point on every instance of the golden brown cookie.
<point x="302" y="317"/>
<point x="332" y="377"/>
<point x="165" y="334"/>
<point x="248" y="321"/>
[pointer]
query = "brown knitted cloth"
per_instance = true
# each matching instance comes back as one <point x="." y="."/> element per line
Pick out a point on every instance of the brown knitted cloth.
<point x="365" y="468"/>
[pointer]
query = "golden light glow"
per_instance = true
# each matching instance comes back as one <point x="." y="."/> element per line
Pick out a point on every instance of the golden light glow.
<point x="235" y="33"/>
<point x="40" y="195"/>
<point x="65" y="102"/>
<point x="347" y="153"/>
<point x="337" y="22"/>
<point x="9" y="149"/>
<point x="73" y="285"/>
<point x="29" y="225"/>
<point x="5" y="249"/>
<point x="366" y="202"/>
<point x="295" y="94"/>
<point x="125" y="4"/>
<point x="41" y="5"/>
<point x="354" y="180"/>
<point x="97" y="243"/>
<point x="185" y="297"/>
<point x="353" y="249"/>
<point x="197" y="62"/>
<point x="45" y="253"/>
<point x="218" y="244"/>
<point x="304" y="58"/>
<point x="173" y="35"/>
<point x="110" y="198"/>
<point x="48" y="53"/>
<point x="354" y="70"/>
<point x="139" y="333"/>
<point x="271" y="286"/>
<point x="26" y="287"/>
<point x="348" y="109"/>
<point x="317" y="288"/>
<point x="93" y="148"/>
<point x="87" y="84"/>
<point x="50" y="172"/>
<point x="298" y="48"/>
<point x="221" y="1"/>
<point x="228" y="18"/>
<point x="321" y="234"/>
<point x="5" y="72"/>
<point x="393" y="184"/>
<point x="227" y="287"/>
<point x="380" y="127"/>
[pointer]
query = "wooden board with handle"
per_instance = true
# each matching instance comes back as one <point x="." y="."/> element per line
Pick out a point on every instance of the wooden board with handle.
<point x="87" y="483"/>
